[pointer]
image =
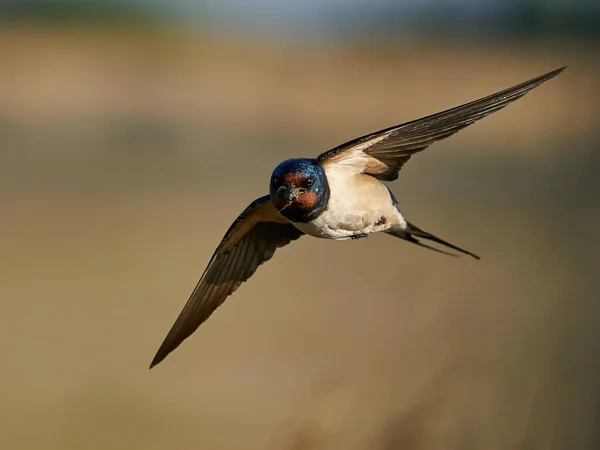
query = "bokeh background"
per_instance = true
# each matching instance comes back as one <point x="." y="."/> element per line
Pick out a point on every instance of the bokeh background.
<point x="133" y="133"/>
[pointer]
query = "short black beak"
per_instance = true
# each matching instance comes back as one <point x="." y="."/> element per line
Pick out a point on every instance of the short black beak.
<point x="285" y="192"/>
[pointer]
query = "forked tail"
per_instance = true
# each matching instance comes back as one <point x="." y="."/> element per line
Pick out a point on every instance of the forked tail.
<point x="412" y="232"/>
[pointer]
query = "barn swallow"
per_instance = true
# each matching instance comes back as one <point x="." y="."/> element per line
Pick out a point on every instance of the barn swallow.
<point x="339" y="195"/>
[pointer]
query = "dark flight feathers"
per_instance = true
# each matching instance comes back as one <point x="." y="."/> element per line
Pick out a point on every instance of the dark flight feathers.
<point x="250" y="241"/>
<point x="395" y="145"/>
<point x="253" y="238"/>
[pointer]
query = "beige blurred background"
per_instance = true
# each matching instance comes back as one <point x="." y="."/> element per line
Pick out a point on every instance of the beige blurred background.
<point x="130" y="141"/>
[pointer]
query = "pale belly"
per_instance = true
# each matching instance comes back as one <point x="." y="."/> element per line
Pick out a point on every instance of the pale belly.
<point x="355" y="210"/>
<point x="327" y="227"/>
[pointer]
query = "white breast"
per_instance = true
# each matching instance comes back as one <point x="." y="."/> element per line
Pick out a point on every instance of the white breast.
<point x="358" y="204"/>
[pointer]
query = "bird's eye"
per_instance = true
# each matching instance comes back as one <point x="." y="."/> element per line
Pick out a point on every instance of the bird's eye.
<point x="309" y="182"/>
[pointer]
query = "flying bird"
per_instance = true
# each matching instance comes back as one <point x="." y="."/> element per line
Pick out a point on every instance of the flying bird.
<point x="338" y="195"/>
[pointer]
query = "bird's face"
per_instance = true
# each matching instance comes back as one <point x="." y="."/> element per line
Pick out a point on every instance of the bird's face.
<point x="299" y="189"/>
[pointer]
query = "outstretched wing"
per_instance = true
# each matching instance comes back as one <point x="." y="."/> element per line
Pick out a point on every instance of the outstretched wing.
<point x="383" y="153"/>
<point x="250" y="241"/>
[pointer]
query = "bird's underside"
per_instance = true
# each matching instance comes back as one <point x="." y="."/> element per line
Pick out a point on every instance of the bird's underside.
<point x="361" y="163"/>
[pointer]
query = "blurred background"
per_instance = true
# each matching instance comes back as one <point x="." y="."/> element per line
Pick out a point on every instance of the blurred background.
<point x="132" y="133"/>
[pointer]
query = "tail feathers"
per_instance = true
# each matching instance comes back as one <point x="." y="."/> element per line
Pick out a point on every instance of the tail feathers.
<point x="411" y="232"/>
<point x="410" y="238"/>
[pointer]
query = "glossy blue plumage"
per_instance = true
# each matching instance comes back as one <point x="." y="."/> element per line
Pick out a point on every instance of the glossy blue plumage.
<point x="308" y="175"/>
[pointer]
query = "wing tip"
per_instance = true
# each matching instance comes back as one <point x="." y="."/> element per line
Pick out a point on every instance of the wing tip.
<point x="157" y="358"/>
<point x="164" y="350"/>
<point x="553" y="73"/>
<point x="535" y="82"/>
<point x="520" y="90"/>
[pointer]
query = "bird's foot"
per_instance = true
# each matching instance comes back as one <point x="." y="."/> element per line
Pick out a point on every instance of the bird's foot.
<point x="358" y="236"/>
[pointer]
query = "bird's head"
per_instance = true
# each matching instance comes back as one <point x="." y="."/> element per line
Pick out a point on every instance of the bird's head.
<point x="299" y="189"/>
